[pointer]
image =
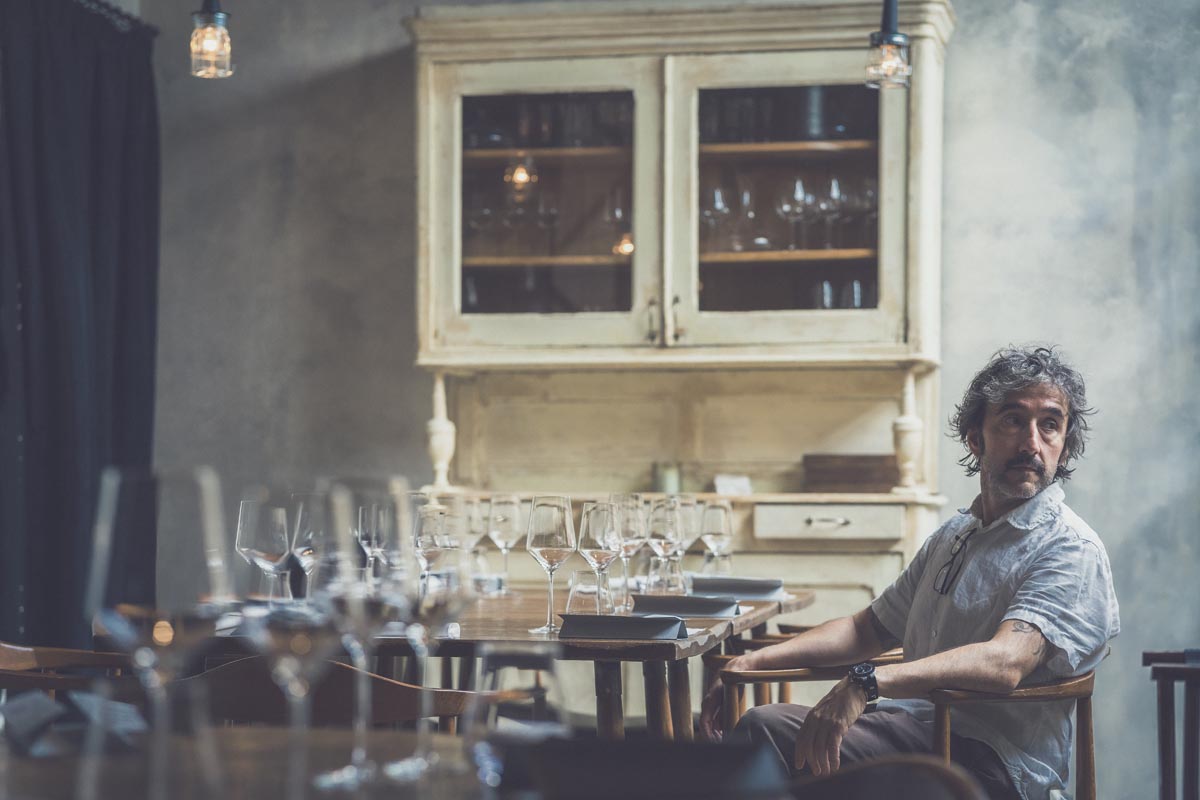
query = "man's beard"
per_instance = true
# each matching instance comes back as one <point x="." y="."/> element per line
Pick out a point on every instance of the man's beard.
<point x="1024" y="490"/>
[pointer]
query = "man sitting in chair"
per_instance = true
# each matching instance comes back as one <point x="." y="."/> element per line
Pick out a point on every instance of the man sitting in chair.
<point x="1015" y="590"/>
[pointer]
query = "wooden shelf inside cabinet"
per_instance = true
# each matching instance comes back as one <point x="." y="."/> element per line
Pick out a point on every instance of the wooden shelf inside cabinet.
<point x="776" y="256"/>
<point x="778" y="149"/>
<point x="546" y="261"/>
<point x="547" y="154"/>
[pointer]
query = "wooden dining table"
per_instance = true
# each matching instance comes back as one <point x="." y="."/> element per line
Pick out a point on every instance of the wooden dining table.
<point x="665" y="663"/>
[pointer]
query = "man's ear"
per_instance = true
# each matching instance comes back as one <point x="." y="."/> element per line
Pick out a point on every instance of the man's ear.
<point x="975" y="442"/>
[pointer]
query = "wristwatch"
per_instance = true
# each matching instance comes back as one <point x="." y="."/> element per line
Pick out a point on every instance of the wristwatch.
<point x="864" y="675"/>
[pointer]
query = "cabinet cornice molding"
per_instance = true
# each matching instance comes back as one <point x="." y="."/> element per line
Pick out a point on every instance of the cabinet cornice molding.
<point x="545" y="30"/>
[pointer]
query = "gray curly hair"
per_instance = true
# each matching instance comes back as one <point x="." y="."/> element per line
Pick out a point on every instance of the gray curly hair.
<point x="1013" y="369"/>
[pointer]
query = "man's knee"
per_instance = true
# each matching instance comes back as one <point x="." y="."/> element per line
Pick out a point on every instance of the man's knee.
<point x="769" y="723"/>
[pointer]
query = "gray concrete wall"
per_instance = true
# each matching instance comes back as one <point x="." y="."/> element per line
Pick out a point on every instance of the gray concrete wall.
<point x="287" y="331"/>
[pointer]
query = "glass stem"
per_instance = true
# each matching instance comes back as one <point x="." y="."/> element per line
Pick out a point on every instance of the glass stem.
<point x="550" y="604"/>
<point x="298" y="709"/>
<point x="505" y="568"/>
<point x="599" y="589"/>
<point x="362" y="701"/>
<point x="626" y="594"/>
<point x="160" y="714"/>
<point x="424" y="752"/>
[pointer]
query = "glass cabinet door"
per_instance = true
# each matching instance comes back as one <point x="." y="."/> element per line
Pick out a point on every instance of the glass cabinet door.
<point x="784" y="162"/>
<point x="550" y="205"/>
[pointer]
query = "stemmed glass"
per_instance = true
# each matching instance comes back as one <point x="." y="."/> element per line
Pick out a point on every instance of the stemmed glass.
<point x="546" y="215"/>
<point x="716" y="531"/>
<point x="600" y="542"/>
<point x="362" y="604"/>
<point x="829" y="204"/>
<point x="263" y="540"/>
<point x="163" y="627"/>
<point x="505" y="530"/>
<point x="616" y="213"/>
<point x="631" y="518"/>
<point x="665" y="534"/>
<point x="795" y="205"/>
<point x="297" y="638"/>
<point x="714" y="211"/>
<point x="551" y="541"/>
<point x="747" y="230"/>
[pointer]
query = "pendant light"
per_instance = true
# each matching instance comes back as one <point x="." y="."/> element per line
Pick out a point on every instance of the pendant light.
<point x="212" y="55"/>
<point x="887" y="64"/>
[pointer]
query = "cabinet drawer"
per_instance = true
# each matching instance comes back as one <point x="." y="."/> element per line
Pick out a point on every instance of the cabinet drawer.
<point x="828" y="521"/>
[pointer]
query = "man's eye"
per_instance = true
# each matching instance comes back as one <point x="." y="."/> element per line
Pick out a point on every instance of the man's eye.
<point x="1011" y="419"/>
<point x="1050" y="425"/>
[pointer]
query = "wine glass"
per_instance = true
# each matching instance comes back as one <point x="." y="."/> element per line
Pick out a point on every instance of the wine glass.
<point x="830" y="201"/>
<point x="478" y="216"/>
<point x="551" y="541"/>
<point x="362" y="604"/>
<point x="795" y="205"/>
<point x="716" y="531"/>
<point x="263" y="540"/>
<point x="631" y="518"/>
<point x="689" y="533"/>
<point x="600" y="542"/>
<point x="163" y="626"/>
<point x="714" y="211"/>
<point x="505" y="530"/>
<point x="748" y="233"/>
<point x="616" y="213"/>
<point x="298" y="638"/>
<point x="546" y="215"/>
<point x="665" y="536"/>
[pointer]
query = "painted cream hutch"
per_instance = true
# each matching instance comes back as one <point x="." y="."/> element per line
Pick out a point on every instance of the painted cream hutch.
<point x="685" y="232"/>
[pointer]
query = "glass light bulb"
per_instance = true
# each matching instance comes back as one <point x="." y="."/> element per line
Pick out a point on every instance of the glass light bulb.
<point x="625" y="246"/>
<point x="888" y="67"/>
<point x="212" y="51"/>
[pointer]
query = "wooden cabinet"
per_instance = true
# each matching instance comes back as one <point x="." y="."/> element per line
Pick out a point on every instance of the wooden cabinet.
<point x="674" y="185"/>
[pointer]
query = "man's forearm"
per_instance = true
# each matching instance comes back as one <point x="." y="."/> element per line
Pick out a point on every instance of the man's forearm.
<point x="983" y="667"/>
<point x="845" y="640"/>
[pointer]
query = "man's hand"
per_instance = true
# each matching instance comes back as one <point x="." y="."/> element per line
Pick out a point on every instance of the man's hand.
<point x="711" y="719"/>
<point x="820" y="740"/>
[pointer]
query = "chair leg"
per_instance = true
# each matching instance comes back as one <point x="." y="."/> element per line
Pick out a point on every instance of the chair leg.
<point x="785" y="692"/>
<point x="1191" y="740"/>
<point x="941" y="732"/>
<point x="731" y="707"/>
<point x="1166" y="739"/>
<point x="762" y="694"/>
<point x="1085" y="756"/>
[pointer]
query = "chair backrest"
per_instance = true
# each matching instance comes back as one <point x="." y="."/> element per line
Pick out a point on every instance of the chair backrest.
<point x="908" y="777"/>
<point x="46" y="668"/>
<point x="1166" y="669"/>
<point x="242" y="691"/>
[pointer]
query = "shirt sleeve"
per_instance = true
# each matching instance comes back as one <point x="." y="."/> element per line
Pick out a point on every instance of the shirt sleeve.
<point x="1068" y="594"/>
<point x="894" y="603"/>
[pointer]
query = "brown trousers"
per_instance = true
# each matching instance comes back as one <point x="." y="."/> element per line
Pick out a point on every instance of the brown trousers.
<point x="879" y="732"/>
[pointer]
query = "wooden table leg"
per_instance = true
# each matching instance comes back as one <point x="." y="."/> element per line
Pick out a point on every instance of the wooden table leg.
<point x="1166" y="739"/>
<point x="679" y="676"/>
<point x="447" y="673"/>
<point x="658" y="702"/>
<point x="466" y="673"/>
<point x="610" y="715"/>
<point x="1191" y="741"/>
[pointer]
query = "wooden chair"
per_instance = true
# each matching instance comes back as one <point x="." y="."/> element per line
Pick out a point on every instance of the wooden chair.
<point x="904" y="777"/>
<point x="242" y="691"/>
<point x="51" y="669"/>
<point x="1078" y="688"/>
<point x="1166" y="669"/>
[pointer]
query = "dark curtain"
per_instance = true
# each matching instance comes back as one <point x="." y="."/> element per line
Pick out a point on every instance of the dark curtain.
<point x="79" y="209"/>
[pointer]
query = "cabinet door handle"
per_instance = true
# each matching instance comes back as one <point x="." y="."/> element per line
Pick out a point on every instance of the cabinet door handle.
<point x="652" y="319"/>
<point x="679" y="332"/>
<point x="826" y="522"/>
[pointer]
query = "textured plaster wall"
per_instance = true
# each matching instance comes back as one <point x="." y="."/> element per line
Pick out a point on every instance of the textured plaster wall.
<point x="1071" y="174"/>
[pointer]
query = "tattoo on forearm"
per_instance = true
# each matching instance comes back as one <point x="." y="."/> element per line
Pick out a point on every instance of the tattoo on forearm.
<point x="1020" y="626"/>
<point x="886" y="638"/>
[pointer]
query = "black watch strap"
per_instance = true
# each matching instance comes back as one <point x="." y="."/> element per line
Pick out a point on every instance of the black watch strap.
<point x="864" y="675"/>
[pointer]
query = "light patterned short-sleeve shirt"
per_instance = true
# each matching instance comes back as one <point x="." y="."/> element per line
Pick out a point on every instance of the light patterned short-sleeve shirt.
<point x="1039" y="563"/>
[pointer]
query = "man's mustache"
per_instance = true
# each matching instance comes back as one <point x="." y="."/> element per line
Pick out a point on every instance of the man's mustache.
<point x="1030" y="461"/>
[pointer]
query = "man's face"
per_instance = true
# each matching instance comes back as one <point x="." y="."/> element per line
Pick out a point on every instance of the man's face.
<point x="1020" y="443"/>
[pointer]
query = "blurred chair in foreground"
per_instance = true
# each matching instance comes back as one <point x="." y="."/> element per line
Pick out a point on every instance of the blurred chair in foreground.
<point x="1166" y="669"/>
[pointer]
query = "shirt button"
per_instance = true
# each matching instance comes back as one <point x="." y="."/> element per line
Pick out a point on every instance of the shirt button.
<point x="935" y="633"/>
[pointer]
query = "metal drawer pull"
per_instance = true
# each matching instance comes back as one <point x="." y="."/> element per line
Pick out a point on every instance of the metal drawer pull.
<point x="827" y="522"/>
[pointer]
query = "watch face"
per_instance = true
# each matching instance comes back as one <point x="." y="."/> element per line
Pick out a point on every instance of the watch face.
<point x="862" y="669"/>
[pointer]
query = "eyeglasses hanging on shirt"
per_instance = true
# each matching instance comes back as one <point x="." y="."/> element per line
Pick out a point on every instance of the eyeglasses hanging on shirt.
<point x="949" y="571"/>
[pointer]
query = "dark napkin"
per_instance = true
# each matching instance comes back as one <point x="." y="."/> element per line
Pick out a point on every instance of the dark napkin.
<point x="593" y="626"/>
<point x="38" y="726"/>
<point x="741" y="588"/>
<point x="685" y="605"/>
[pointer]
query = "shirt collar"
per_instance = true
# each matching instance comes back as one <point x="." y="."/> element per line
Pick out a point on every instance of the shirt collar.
<point x="1030" y="514"/>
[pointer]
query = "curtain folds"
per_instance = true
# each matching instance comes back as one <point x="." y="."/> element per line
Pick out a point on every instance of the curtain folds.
<point x="79" y="211"/>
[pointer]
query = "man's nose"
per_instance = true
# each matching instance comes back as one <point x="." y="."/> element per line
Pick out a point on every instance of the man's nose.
<point x="1029" y="439"/>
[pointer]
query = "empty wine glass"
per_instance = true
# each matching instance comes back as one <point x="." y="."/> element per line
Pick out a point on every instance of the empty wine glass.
<point x="748" y="233"/>
<point x="795" y="205"/>
<point x="631" y="519"/>
<point x="361" y="605"/>
<point x="616" y="214"/>
<point x="665" y="537"/>
<point x="829" y="203"/>
<point x="551" y="541"/>
<point x="163" y="626"/>
<point x="263" y="540"/>
<point x="600" y="542"/>
<point x="716" y="531"/>
<point x="714" y="212"/>
<point x="310" y="537"/>
<point x="505" y="530"/>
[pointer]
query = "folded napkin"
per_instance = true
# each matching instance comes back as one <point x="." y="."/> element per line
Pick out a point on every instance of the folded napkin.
<point x="741" y="588"/>
<point x="38" y="726"/>
<point x="686" y="605"/>
<point x="592" y="626"/>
